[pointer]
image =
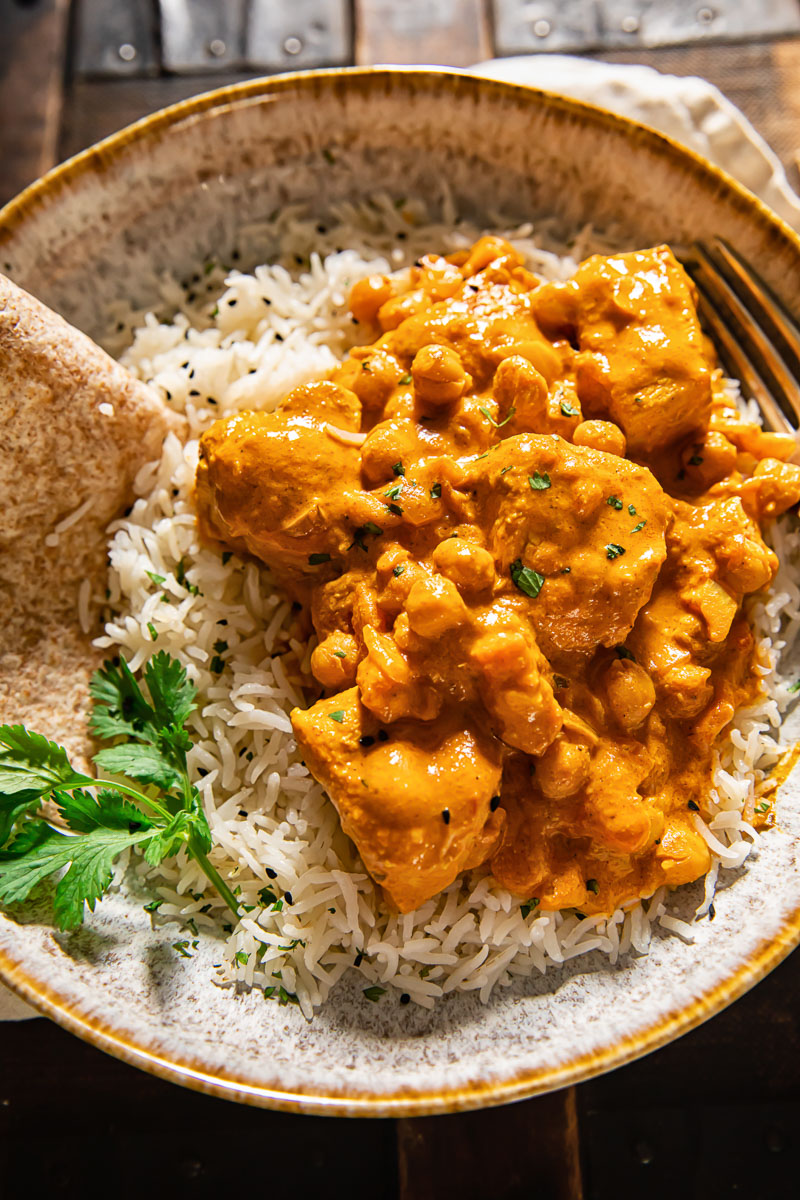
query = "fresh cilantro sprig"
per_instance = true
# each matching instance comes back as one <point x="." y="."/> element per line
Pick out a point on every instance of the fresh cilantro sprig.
<point x="158" y="817"/>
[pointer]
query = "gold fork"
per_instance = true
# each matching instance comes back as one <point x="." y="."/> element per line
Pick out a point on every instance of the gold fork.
<point x="757" y="340"/>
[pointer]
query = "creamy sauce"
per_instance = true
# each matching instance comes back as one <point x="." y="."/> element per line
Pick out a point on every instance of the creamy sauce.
<point x="523" y="520"/>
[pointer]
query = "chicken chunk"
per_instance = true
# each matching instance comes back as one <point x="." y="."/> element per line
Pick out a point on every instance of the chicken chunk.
<point x="642" y="362"/>
<point x="416" y="800"/>
<point x="577" y="531"/>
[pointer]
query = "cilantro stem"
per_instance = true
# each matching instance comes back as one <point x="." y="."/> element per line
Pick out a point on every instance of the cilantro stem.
<point x="212" y="874"/>
<point x="137" y="795"/>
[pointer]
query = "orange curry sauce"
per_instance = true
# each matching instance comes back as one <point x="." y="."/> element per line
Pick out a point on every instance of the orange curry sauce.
<point x="523" y="520"/>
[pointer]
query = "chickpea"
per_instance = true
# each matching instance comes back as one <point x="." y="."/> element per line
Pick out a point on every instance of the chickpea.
<point x="778" y="486"/>
<point x="434" y="607"/>
<point x="518" y="385"/>
<point x="376" y="378"/>
<point x="334" y="661"/>
<point x="368" y="295"/>
<point x="563" y="768"/>
<point x="539" y="354"/>
<point x="395" y="311"/>
<point x="388" y="443"/>
<point x="470" y="568"/>
<point x="601" y="435"/>
<point x="439" y="377"/>
<point x="489" y="249"/>
<point x="687" y="690"/>
<point x="708" y="462"/>
<point x="630" y="691"/>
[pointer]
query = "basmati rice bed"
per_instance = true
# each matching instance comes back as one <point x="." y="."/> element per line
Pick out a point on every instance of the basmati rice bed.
<point x="229" y="341"/>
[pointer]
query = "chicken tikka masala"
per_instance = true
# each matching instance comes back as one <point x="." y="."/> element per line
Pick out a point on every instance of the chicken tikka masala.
<point x="523" y="520"/>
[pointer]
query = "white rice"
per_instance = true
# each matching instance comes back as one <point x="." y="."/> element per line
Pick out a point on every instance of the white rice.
<point x="229" y="341"/>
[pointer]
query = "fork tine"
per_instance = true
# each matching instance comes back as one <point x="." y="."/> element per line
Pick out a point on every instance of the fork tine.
<point x="771" y="314"/>
<point x="766" y="361"/>
<point x="740" y="366"/>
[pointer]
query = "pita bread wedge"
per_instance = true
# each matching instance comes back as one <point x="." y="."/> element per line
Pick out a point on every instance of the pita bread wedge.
<point x="75" y="427"/>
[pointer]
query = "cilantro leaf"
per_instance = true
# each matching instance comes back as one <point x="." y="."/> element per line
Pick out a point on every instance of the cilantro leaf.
<point x="171" y="692"/>
<point x="30" y="763"/>
<point x="88" y="858"/>
<point x="142" y="762"/>
<point x="526" y="579"/>
<point x="83" y="812"/>
<point x="120" y="709"/>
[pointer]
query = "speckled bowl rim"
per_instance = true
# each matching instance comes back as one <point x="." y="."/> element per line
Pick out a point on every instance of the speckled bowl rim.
<point x="522" y="1085"/>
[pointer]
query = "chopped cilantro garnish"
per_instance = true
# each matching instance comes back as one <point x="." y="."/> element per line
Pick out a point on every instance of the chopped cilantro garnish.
<point x="491" y="420"/>
<point x="398" y="571"/>
<point x="526" y="579"/>
<point x="436" y="491"/>
<point x="220" y="647"/>
<point x="399" y="469"/>
<point x="396" y="509"/>
<point x="624" y="652"/>
<point x="614" y="501"/>
<point x="632" y="510"/>
<point x="315" y="560"/>
<point x="152" y="631"/>
<point x="157" y="579"/>
<point x="639" y="527"/>
<point x="567" y="409"/>
<point x="337" y="716"/>
<point x="182" y="948"/>
<point x="795" y="687"/>
<point x="339" y="654"/>
<point x="528" y="906"/>
<point x="241" y="957"/>
<point x="539" y="483"/>
<point x="393" y="492"/>
<point x="404" y="379"/>
<point x="374" y="993"/>
<point x="613" y="550"/>
<point x="592" y="886"/>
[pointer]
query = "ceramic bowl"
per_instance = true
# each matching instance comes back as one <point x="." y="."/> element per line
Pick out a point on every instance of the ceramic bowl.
<point x="168" y="193"/>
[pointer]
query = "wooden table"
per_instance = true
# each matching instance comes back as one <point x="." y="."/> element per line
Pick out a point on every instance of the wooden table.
<point x="714" y="1115"/>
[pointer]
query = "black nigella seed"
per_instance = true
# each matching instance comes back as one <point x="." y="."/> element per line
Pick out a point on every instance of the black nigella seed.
<point x="366" y="740"/>
<point x="322" y="228"/>
<point x="446" y="815"/>
<point x="231" y="303"/>
<point x="278" y="337"/>
<point x="288" y="897"/>
<point x="493" y="803"/>
<point x="405" y="998"/>
<point x="694" y="807"/>
<point x="191" y="297"/>
<point x="235" y="255"/>
<point x="271" y="874"/>
<point x="359" y="958"/>
<point x="383" y="735"/>
<point x="194" y="392"/>
<point x="712" y="912"/>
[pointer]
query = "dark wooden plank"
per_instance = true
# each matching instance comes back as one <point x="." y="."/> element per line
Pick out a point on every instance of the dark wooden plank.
<point x="32" y="52"/>
<point x="74" y="1122"/>
<point x="509" y="1153"/>
<point x="98" y="107"/>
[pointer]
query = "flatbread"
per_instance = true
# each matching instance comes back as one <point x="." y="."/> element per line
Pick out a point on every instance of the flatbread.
<point x="58" y="450"/>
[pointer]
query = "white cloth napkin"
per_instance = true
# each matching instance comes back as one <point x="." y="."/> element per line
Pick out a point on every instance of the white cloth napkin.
<point x="690" y="110"/>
